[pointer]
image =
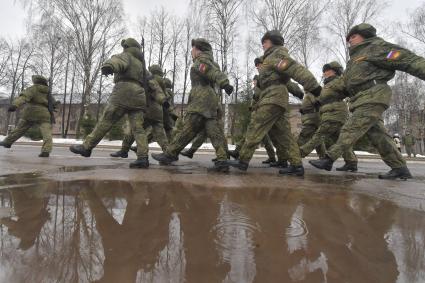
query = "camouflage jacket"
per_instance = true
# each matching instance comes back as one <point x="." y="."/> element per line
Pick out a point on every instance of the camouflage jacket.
<point x="156" y="98"/>
<point x="205" y="75"/>
<point x="409" y="140"/>
<point x="372" y="64"/>
<point x="128" y="91"/>
<point x="276" y="71"/>
<point x="333" y="107"/>
<point x="309" y="113"/>
<point x="35" y="99"/>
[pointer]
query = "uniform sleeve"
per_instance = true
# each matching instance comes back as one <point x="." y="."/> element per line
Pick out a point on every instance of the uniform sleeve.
<point x="25" y="97"/>
<point x="207" y="70"/>
<point x="397" y="58"/>
<point x="157" y="92"/>
<point x="119" y="63"/>
<point x="295" y="90"/>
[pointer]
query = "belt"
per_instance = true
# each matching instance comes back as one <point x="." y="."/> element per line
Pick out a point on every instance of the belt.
<point x="271" y="83"/>
<point x="194" y="84"/>
<point x="365" y="86"/>
<point x="129" y="81"/>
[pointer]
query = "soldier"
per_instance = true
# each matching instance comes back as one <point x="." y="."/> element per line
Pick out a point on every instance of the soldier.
<point x="333" y="115"/>
<point x="203" y="106"/>
<point x="169" y="116"/>
<point x="127" y="98"/>
<point x="373" y="62"/>
<point x="409" y="142"/>
<point x="271" y="115"/>
<point x="35" y="114"/>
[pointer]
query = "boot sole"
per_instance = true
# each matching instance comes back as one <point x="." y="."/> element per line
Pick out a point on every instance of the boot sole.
<point x="322" y="168"/>
<point x="79" y="153"/>
<point x="404" y="178"/>
<point x="138" y="167"/>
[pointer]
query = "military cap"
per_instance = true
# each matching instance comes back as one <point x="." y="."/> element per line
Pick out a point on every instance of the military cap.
<point x="168" y="83"/>
<point x="333" y="66"/>
<point x="130" y="42"/>
<point x="258" y="61"/>
<point x="37" y="79"/>
<point x="202" y="44"/>
<point x="156" y="70"/>
<point x="364" y="29"/>
<point x="274" y="36"/>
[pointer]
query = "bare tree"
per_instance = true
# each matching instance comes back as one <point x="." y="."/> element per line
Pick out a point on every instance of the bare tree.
<point x="161" y="22"/>
<point x="4" y="60"/>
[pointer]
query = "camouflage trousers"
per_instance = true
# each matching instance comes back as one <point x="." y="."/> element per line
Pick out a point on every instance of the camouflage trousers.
<point x="154" y="132"/>
<point x="307" y="132"/>
<point x="202" y="137"/>
<point x="273" y="120"/>
<point x="410" y="149"/>
<point x="267" y="142"/>
<point x="327" y="134"/>
<point x="111" y="115"/>
<point x="169" y="124"/>
<point x="194" y="125"/>
<point x="24" y="125"/>
<point x="367" y="120"/>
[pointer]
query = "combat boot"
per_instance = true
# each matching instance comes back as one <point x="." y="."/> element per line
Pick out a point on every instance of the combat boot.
<point x="120" y="153"/>
<point x="79" y="149"/>
<point x="133" y="148"/>
<point x="269" y="161"/>
<point x="188" y="153"/>
<point x="44" y="154"/>
<point x="234" y="153"/>
<point x="279" y="164"/>
<point x="141" y="162"/>
<point x="402" y="173"/>
<point x="293" y="171"/>
<point x="323" y="163"/>
<point x="241" y="165"/>
<point x="220" y="166"/>
<point x="2" y="143"/>
<point x="164" y="158"/>
<point x="348" y="167"/>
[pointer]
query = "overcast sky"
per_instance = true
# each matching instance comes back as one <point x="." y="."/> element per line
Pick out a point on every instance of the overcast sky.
<point x="12" y="16"/>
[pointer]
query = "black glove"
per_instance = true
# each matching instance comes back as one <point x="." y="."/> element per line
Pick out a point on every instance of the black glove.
<point x="316" y="92"/>
<point x="107" y="70"/>
<point x="166" y="104"/>
<point x="317" y="105"/>
<point x="228" y="89"/>
<point x="12" y="108"/>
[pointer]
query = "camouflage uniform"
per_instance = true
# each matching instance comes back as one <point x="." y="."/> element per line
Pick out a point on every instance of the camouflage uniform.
<point x="127" y="98"/>
<point x="272" y="108"/>
<point x="169" y="116"/>
<point x="409" y="142"/>
<point x="35" y="114"/>
<point x="372" y="64"/>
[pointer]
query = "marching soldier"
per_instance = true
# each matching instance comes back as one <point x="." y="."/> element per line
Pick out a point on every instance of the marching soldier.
<point x="409" y="142"/>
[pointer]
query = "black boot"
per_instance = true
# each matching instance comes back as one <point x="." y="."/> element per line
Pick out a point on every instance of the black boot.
<point x="164" y="158"/>
<point x="234" y="153"/>
<point x="279" y="164"/>
<point x="188" y="153"/>
<point x="269" y="161"/>
<point x="142" y="162"/>
<point x="241" y="165"/>
<point x="2" y="143"/>
<point x="398" y="173"/>
<point x="293" y="171"/>
<point x="120" y="153"/>
<point x="220" y="166"/>
<point x="348" y="167"/>
<point x="44" y="154"/>
<point x="79" y="149"/>
<point x="133" y="148"/>
<point x="324" y="163"/>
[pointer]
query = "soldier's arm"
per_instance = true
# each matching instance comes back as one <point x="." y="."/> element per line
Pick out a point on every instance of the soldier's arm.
<point x="212" y="73"/>
<point x="25" y="97"/>
<point x="118" y="63"/>
<point x="295" y="90"/>
<point x="157" y="92"/>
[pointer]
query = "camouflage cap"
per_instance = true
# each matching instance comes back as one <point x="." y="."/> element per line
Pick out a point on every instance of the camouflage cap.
<point x="130" y="42"/>
<point x="156" y="70"/>
<point x="258" y="61"/>
<point x="168" y="83"/>
<point x="274" y="36"/>
<point x="202" y="44"/>
<point x="364" y="29"/>
<point x="334" y="65"/>
<point x="40" y="80"/>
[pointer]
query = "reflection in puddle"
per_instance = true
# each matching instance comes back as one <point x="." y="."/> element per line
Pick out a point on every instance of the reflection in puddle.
<point x="111" y="231"/>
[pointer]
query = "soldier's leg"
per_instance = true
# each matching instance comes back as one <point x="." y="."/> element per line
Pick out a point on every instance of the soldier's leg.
<point x="385" y="145"/>
<point x="136" y="124"/>
<point x="269" y="147"/>
<point x="127" y="142"/>
<point x="158" y="134"/>
<point x="111" y="115"/>
<point x="46" y="132"/>
<point x="199" y="140"/>
<point x="326" y="129"/>
<point x="193" y="124"/>
<point x="408" y="150"/>
<point x="261" y="122"/>
<point x="214" y="133"/>
<point x="22" y="127"/>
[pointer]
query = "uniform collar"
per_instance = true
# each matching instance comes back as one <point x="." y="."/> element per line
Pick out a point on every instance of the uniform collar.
<point x="328" y="80"/>
<point x="354" y="49"/>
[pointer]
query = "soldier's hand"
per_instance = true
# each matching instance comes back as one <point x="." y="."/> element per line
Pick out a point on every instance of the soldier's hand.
<point x="228" y="89"/>
<point x="316" y="92"/>
<point x="317" y="105"/>
<point x="166" y="104"/>
<point x="12" y="108"/>
<point x="107" y="70"/>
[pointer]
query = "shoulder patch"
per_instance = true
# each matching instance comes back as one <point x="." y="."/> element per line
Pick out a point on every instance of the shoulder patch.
<point x="393" y="55"/>
<point x="282" y="65"/>
<point x="202" y="68"/>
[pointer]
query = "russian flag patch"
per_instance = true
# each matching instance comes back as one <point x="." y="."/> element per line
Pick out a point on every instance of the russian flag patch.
<point x="393" y="55"/>
<point x="202" y="68"/>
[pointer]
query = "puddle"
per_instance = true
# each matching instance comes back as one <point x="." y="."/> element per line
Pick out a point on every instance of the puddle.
<point x="117" y="231"/>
